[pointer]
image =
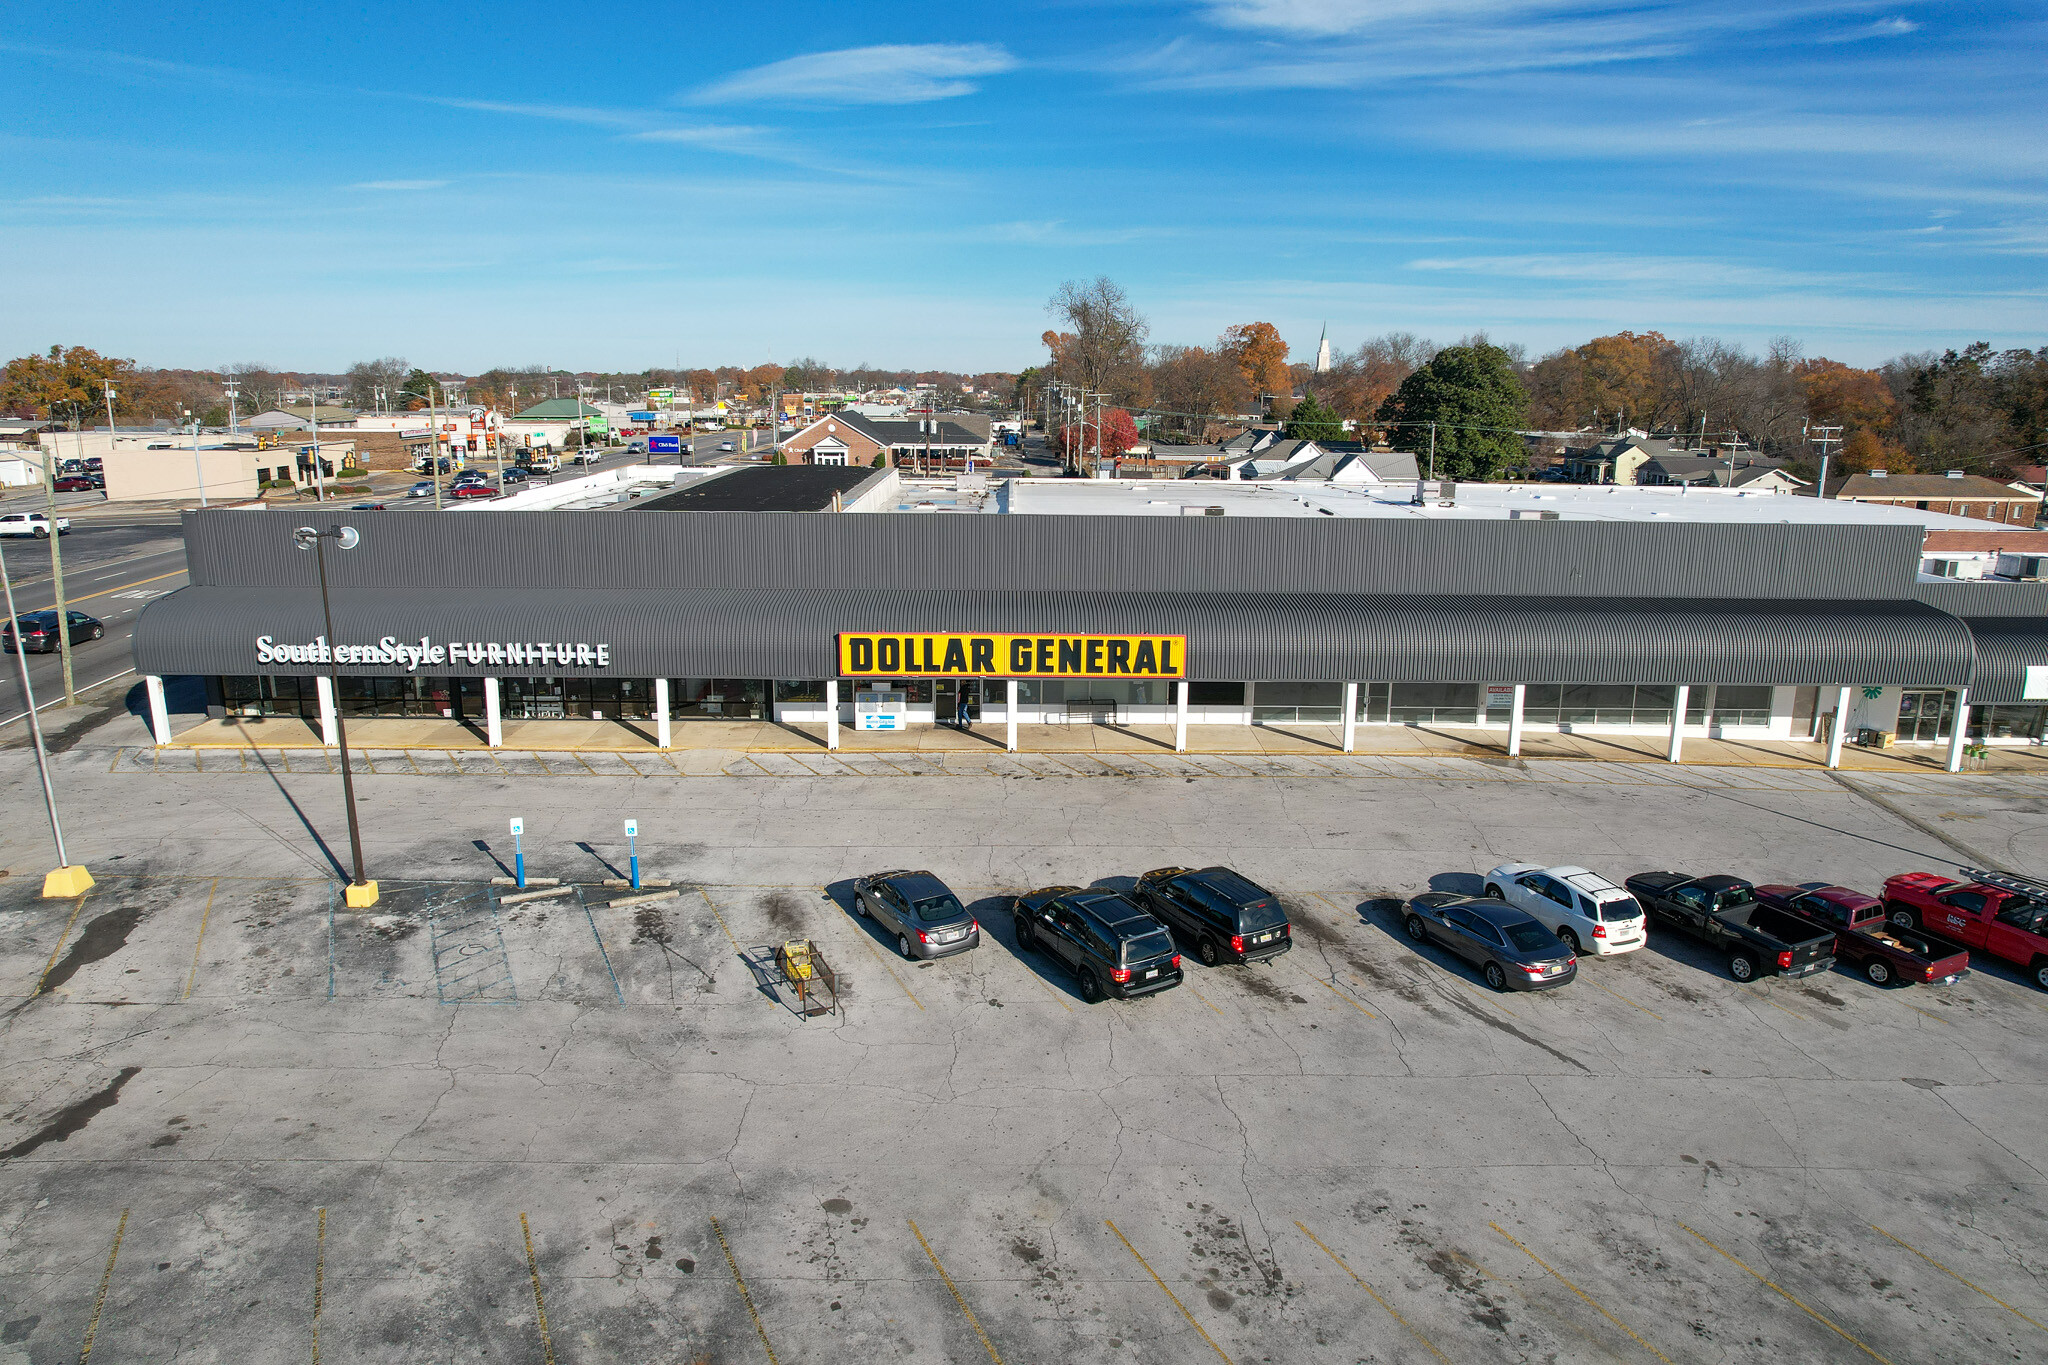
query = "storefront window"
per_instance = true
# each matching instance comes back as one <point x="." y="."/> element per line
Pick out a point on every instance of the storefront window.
<point x="1601" y="704"/>
<point x="265" y="696"/>
<point x="1418" y="703"/>
<point x="395" y="697"/>
<point x="576" y="698"/>
<point x="1321" y="702"/>
<point x="2009" y="722"/>
<point x="1741" y="706"/>
<point x="1215" y="694"/>
<point x="716" y="698"/>
<point x="916" y="691"/>
<point x="1058" y="692"/>
<point x="800" y="691"/>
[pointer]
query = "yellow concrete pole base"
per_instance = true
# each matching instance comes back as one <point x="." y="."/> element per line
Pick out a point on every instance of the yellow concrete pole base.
<point x="361" y="897"/>
<point x="66" y="882"/>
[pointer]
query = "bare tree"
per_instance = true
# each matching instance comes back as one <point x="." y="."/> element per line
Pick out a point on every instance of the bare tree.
<point x="366" y="377"/>
<point x="1105" y="349"/>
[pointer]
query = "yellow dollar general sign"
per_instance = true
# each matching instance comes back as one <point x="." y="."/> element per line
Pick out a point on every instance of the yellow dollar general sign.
<point x="1012" y="656"/>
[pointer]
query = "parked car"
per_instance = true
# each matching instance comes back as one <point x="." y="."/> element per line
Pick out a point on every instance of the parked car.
<point x="71" y="467"/>
<point x="1508" y="946"/>
<point x="928" y="918"/>
<point x="1864" y="938"/>
<point x="1996" y="913"/>
<point x="1590" y="913"/>
<point x="34" y="524"/>
<point x="1227" y="917"/>
<point x="1723" y="912"/>
<point x="76" y="483"/>
<point x="39" y="631"/>
<point x="472" y="490"/>
<point x="423" y="489"/>
<point x="94" y="464"/>
<point x="1112" y="947"/>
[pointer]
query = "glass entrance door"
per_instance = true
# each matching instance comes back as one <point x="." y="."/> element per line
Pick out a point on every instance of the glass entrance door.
<point x="1926" y="716"/>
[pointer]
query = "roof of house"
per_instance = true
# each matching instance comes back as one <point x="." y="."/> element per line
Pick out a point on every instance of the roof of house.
<point x="558" y="409"/>
<point x="1992" y="538"/>
<point x="910" y="431"/>
<point x="765" y="488"/>
<point x="1919" y="486"/>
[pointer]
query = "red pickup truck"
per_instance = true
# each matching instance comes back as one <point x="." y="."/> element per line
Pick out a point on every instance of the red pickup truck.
<point x="1863" y="937"/>
<point x="1993" y="912"/>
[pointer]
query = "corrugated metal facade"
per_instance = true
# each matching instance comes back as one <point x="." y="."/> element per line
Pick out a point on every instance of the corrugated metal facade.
<point x="1055" y="553"/>
<point x="680" y="594"/>
<point x="790" y="633"/>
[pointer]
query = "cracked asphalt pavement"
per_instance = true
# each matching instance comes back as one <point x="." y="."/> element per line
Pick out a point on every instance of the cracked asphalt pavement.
<point x="325" y="1127"/>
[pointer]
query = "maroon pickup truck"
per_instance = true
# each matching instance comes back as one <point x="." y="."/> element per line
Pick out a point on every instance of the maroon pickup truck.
<point x="1996" y="913"/>
<point x="1864" y="938"/>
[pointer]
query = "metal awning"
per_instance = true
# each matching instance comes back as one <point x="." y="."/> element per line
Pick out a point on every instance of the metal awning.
<point x="788" y="632"/>
<point x="2007" y="646"/>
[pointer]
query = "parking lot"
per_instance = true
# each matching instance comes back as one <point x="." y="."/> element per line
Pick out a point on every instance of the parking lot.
<point x="243" y="1122"/>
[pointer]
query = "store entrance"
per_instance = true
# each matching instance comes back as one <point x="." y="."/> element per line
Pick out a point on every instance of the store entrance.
<point x="1926" y="716"/>
<point x="952" y="694"/>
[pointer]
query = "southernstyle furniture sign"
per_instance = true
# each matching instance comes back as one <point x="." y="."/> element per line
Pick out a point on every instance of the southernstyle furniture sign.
<point x="392" y="652"/>
<point x="1012" y="656"/>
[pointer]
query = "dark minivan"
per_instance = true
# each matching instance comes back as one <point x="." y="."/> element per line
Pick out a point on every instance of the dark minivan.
<point x="1228" y="917"/>
<point x="1511" y="950"/>
<point x="1113" y="947"/>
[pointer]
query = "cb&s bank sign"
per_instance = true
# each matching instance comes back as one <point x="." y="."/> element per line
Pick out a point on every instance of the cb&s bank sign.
<point x="932" y="655"/>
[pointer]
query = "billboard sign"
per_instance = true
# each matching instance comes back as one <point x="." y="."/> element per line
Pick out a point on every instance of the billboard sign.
<point x="664" y="445"/>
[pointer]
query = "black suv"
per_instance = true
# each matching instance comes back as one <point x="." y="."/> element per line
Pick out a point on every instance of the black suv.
<point x="1113" y="947"/>
<point x="1226" y="916"/>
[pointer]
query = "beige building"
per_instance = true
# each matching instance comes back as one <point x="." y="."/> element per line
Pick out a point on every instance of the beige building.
<point x="178" y="475"/>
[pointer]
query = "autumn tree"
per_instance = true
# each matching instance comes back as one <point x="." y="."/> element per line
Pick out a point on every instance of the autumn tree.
<point x="1474" y="401"/>
<point x="1625" y="379"/>
<point x="1114" y="432"/>
<point x="1260" y="356"/>
<point x="1193" y="385"/>
<point x="1360" y="381"/>
<point x="66" y="382"/>
<point x="1103" y="348"/>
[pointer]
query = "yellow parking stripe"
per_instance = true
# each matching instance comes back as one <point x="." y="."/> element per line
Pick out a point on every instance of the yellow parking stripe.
<point x="92" y="1329"/>
<point x="1375" y="1295"/>
<point x="954" y="1289"/>
<point x="1823" y="1321"/>
<point x="1957" y="1278"/>
<point x="51" y="965"/>
<point x="1168" y="1292"/>
<point x="199" y="942"/>
<point x="1582" y="1294"/>
<point x="1622" y="998"/>
<point x="745" y="1297"/>
<point x="540" y="1308"/>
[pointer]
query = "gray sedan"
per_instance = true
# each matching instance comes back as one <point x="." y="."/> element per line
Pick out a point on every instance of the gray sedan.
<point x="928" y="918"/>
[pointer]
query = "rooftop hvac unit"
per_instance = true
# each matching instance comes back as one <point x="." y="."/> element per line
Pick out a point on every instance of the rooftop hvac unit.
<point x="1530" y="514"/>
<point x="1188" y="510"/>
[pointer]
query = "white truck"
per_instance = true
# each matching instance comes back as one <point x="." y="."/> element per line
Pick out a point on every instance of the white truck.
<point x="35" y="524"/>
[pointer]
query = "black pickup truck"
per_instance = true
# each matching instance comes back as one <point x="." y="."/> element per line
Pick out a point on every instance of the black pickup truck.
<point x="1723" y="912"/>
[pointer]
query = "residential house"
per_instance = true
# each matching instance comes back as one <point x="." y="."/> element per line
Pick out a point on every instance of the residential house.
<point x="1957" y="493"/>
<point x="847" y="438"/>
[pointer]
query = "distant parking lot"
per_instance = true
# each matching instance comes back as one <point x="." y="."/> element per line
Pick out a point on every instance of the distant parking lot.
<point x="574" y="1129"/>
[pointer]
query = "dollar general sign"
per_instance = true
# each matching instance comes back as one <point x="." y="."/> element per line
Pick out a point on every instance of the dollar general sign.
<point x="1012" y="656"/>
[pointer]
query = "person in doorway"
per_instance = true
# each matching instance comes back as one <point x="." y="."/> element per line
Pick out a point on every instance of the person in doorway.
<point x="963" y="710"/>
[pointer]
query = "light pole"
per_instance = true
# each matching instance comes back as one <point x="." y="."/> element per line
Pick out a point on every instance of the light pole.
<point x="197" y="472"/>
<point x="362" y="892"/>
<point x="66" y="880"/>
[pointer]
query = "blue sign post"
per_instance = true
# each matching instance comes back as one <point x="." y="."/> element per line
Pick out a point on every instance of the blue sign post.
<point x="518" y="852"/>
<point x="633" y="850"/>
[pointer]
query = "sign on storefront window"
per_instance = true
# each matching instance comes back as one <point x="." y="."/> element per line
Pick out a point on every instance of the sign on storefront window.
<point x="880" y="708"/>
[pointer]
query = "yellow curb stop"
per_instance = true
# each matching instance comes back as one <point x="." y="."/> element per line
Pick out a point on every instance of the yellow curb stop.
<point x="67" y="882"/>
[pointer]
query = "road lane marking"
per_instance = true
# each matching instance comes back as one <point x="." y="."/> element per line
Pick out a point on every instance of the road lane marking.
<point x="200" y="942"/>
<point x="1168" y="1292"/>
<point x="51" y="965"/>
<point x="540" y="1308"/>
<point x="1581" y="1293"/>
<point x="745" y="1297"/>
<point x="1375" y="1295"/>
<point x="972" y="1321"/>
<point x="319" y="1282"/>
<point x="92" y="1329"/>
<point x="1957" y="1278"/>
<point x="1823" y="1321"/>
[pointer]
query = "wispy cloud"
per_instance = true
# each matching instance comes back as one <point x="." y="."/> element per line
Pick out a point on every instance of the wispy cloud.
<point x="889" y="74"/>
<point x="398" y="185"/>
<point x="1688" y="272"/>
<point x="1894" y="27"/>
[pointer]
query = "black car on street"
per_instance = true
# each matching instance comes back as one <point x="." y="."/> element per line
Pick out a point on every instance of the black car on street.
<point x="1226" y="916"/>
<point x="1508" y="946"/>
<point x="39" y="631"/>
<point x="1113" y="947"/>
<point x="928" y="918"/>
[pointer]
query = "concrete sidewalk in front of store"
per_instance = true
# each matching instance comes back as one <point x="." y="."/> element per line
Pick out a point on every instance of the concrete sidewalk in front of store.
<point x="568" y="736"/>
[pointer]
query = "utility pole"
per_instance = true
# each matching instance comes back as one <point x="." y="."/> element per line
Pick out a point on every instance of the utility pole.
<point x="319" y="479"/>
<point x="57" y="563"/>
<point x="1432" y="452"/>
<point x="434" y="444"/>
<point x="66" y="880"/>
<point x="1822" y="436"/>
<point x="197" y="472"/>
<point x="234" y="391"/>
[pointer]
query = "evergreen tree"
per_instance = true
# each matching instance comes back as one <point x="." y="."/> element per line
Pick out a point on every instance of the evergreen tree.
<point x="1479" y="407"/>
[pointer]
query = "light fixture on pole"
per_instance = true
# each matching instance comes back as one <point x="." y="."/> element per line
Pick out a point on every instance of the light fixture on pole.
<point x="66" y="880"/>
<point x="362" y="892"/>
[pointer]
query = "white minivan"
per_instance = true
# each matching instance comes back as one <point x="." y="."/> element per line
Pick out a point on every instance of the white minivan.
<point x="1590" y="913"/>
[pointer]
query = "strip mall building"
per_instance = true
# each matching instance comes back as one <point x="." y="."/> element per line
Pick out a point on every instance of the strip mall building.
<point x="1768" y="629"/>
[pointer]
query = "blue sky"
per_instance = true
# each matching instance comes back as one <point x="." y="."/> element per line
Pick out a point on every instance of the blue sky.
<point x="618" y="186"/>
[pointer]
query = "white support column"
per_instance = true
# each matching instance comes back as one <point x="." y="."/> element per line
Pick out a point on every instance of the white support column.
<point x="1839" y="729"/>
<point x="1350" y="717"/>
<point x="494" y="725"/>
<point x="1960" y="733"/>
<point x="1010" y="716"/>
<point x="1180" y="716"/>
<point x="831" y="712"/>
<point x="159" y="713"/>
<point x="664" y="736"/>
<point x="1515" y="721"/>
<point x="329" y="733"/>
<point x="1678" y="701"/>
<point x="1251" y="702"/>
